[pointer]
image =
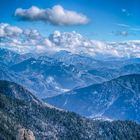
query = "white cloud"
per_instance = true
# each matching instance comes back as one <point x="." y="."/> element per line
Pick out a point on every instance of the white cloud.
<point x="8" y="30"/>
<point x="20" y="40"/>
<point x="31" y="41"/>
<point x="56" y="16"/>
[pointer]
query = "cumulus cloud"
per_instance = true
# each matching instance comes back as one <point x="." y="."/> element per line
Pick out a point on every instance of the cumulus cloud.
<point x="76" y="43"/>
<point x="8" y="30"/>
<point x="56" y="16"/>
<point x="29" y="41"/>
<point x="20" y="40"/>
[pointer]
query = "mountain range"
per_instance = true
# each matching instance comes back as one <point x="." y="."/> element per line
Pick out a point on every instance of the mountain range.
<point x="91" y="87"/>
<point x="62" y="71"/>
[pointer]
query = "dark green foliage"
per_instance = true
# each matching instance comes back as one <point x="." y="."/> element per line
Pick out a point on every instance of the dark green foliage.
<point x="20" y="109"/>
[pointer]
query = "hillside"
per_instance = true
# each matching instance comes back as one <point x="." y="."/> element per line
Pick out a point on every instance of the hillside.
<point x="22" y="112"/>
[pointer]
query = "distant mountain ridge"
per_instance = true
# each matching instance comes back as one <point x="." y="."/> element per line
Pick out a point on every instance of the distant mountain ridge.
<point x="115" y="99"/>
<point x="51" y="76"/>
<point x="62" y="71"/>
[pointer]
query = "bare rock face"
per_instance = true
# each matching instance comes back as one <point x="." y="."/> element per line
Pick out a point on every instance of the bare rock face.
<point x="25" y="134"/>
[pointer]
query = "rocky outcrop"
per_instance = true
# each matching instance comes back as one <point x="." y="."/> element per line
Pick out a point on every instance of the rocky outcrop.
<point x="25" y="134"/>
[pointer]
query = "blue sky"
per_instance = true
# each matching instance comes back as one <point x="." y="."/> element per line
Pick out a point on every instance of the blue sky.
<point x="109" y="19"/>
